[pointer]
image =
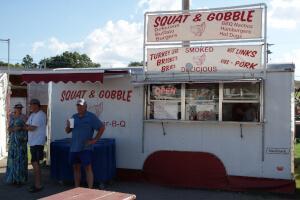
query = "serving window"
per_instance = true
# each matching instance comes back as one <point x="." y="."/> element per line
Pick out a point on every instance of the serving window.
<point x="241" y="102"/>
<point x="201" y="101"/>
<point x="233" y="101"/>
<point x="165" y="101"/>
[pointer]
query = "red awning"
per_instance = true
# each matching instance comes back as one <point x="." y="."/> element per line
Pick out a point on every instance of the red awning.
<point x="63" y="77"/>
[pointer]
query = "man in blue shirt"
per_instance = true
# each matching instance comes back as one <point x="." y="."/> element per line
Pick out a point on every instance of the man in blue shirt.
<point x="85" y="123"/>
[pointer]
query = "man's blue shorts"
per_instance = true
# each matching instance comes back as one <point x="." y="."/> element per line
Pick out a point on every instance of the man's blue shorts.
<point x="82" y="157"/>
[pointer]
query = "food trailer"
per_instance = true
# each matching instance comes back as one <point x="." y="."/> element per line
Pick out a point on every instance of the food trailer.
<point x="187" y="133"/>
<point x="209" y="115"/>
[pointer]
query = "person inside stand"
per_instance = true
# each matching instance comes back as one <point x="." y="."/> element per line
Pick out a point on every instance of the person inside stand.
<point x="237" y="112"/>
<point x="250" y="113"/>
<point x="36" y="127"/>
<point x="17" y="164"/>
<point x="85" y="123"/>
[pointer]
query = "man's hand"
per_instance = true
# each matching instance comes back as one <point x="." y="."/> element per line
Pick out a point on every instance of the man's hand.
<point x="29" y="127"/>
<point x="17" y="128"/>
<point x="68" y="129"/>
<point x="92" y="141"/>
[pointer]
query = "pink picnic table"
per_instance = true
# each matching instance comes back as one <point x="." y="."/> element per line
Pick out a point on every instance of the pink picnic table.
<point x="89" y="194"/>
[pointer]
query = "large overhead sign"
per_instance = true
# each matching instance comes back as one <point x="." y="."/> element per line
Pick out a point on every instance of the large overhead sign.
<point x="205" y="25"/>
<point x="205" y="59"/>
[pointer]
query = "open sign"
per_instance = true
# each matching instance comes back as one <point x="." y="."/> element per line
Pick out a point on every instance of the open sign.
<point x="163" y="90"/>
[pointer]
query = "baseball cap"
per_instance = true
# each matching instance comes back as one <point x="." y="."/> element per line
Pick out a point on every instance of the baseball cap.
<point x="35" y="102"/>
<point x="18" y="105"/>
<point x="81" y="102"/>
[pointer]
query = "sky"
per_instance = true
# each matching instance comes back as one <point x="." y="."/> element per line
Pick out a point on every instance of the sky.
<point x="111" y="32"/>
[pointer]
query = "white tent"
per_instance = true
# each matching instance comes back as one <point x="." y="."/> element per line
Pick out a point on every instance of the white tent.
<point x="3" y="95"/>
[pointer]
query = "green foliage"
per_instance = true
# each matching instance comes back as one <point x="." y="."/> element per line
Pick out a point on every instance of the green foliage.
<point x="27" y="62"/>
<point x="4" y="64"/>
<point x="297" y="164"/>
<point x="68" y="60"/>
<point x="135" y="64"/>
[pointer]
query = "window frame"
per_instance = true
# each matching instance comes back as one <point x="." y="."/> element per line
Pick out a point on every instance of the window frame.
<point x="221" y="101"/>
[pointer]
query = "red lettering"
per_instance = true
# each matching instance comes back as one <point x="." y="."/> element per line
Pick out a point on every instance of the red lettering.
<point x="245" y="64"/>
<point x="179" y="18"/>
<point x="119" y="94"/>
<point x="129" y="93"/>
<point x="250" y="16"/>
<point x="227" y="16"/>
<point x="101" y="94"/>
<point x="219" y="16"/>
<point x="211" y="16"/>
<point x="122" y="123"/>
<point x="113" y="94"/>
<point x="156" y="22"/>
<point x="231" y="15"/>
<point x="185" y="17"/>
<point x="199" y="49"/>
<point x="170" y="19"/>
<point x="245" y="52"/>
<point x="67" y="95"/>
<point x="236" y="16"/>
<point x="62" y="98"/>
<point x="163" y="20"/>
<point x="123" y="96"/>
<point x="167" y="68"/>
<point x="107" y="94"/>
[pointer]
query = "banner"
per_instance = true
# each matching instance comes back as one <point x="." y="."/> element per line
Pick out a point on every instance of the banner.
<point x="205" y="59"/>
<point x="205" y="25"/>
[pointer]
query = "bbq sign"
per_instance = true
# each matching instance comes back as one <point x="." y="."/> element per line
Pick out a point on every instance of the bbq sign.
<point x="205" y="59"/>
<point x="205" y="25"/>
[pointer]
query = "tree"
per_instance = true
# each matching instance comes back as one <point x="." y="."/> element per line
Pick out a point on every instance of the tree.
<point x="135" y="64"/>
<point x="27" y="62"/>
<point x="4" y="64"/>
<point x="68" y="60"/>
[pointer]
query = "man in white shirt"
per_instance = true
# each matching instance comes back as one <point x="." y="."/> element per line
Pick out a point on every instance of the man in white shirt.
<point x="36" y="126"/>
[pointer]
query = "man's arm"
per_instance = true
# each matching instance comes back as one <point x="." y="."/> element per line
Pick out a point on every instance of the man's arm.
<point x="30" y="127"/>
<point x="98" y="136"/>
<point x="36" y="122"/>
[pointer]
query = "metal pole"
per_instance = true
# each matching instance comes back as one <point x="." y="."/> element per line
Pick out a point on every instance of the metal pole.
<point x="185" y="4"/>
<point x="8" y="51"/>
<point x="185" y="8"/>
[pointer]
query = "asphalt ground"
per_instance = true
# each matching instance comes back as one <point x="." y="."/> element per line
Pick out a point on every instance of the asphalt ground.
<point x="143" y="191"/>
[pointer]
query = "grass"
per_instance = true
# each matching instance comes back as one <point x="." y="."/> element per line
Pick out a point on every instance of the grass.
<point x="297" y="164"/>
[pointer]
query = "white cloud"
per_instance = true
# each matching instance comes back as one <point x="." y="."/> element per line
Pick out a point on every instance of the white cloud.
<point x="292" y="56"/>
<point x="160" y="5"/>
<point x="115" y="44"/>
<point x="36" y="46"/>
<point x="57" y="46"/>
<point x="284" y="14"/>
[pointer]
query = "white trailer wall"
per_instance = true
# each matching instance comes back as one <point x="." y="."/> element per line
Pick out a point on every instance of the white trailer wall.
<point x="279" y="128"/>
<point x="123" y="118"/>
<point x="239" y="148"/>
